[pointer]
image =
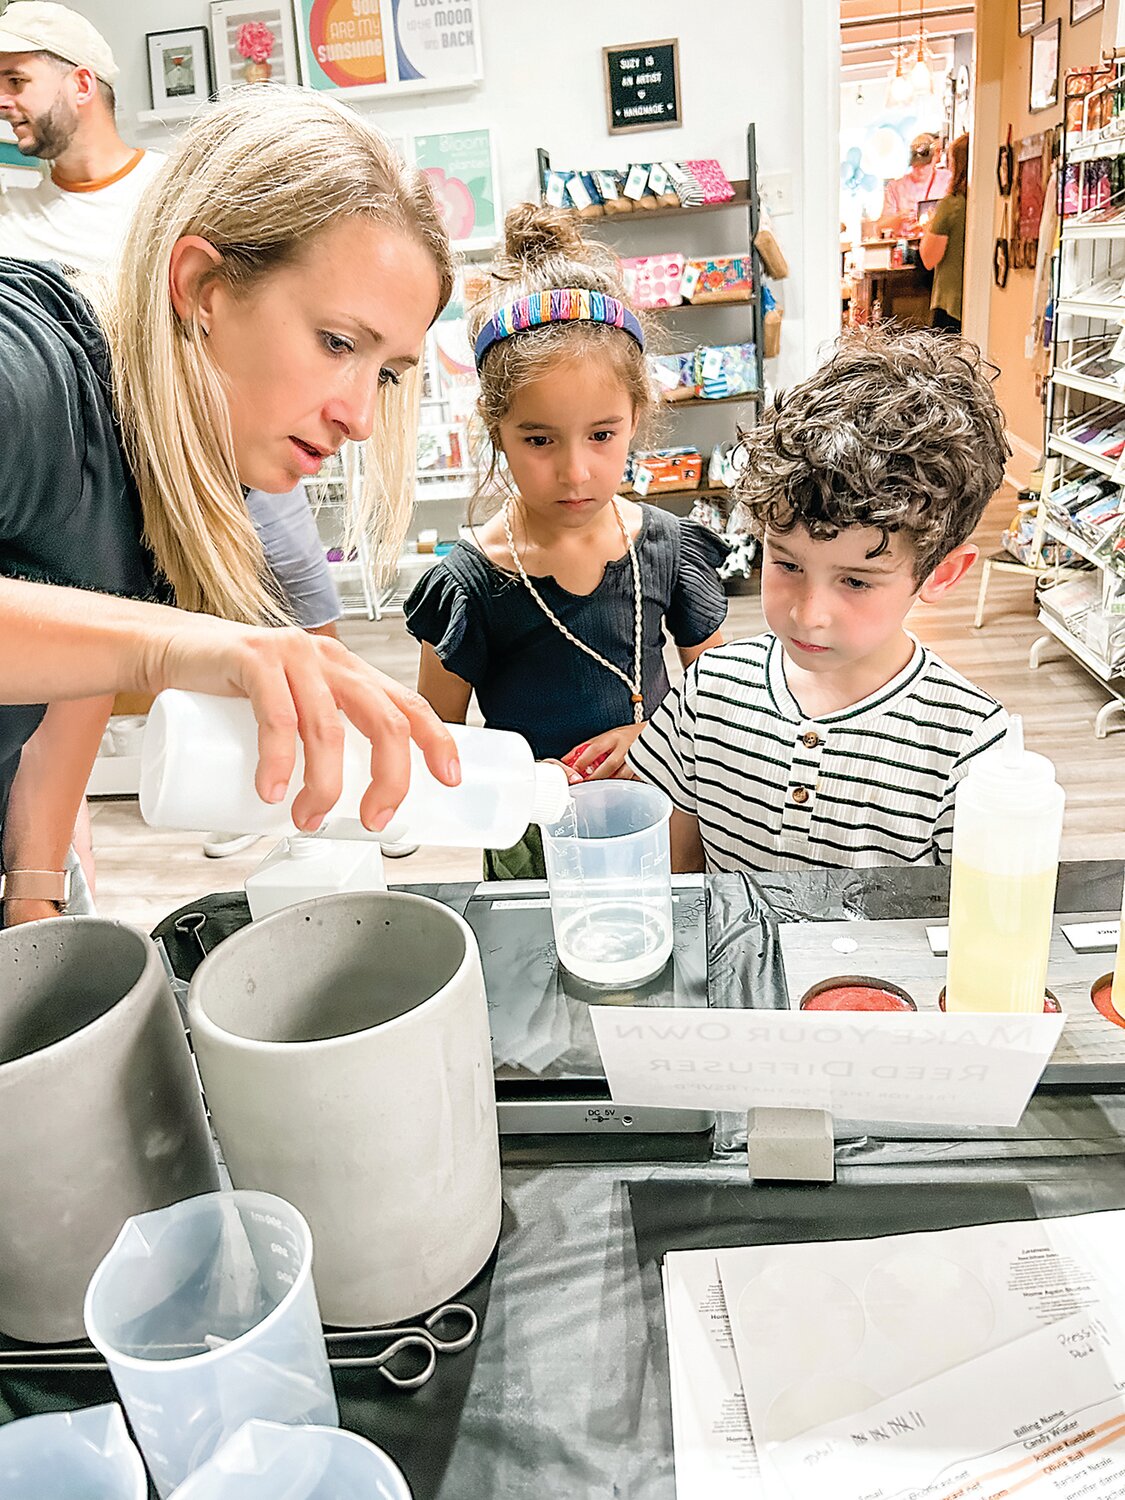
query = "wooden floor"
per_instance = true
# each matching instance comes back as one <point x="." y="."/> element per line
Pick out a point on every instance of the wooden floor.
<point x="142" y="874"/>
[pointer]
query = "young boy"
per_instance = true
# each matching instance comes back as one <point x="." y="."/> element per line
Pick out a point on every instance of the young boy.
<point x="836" y="738"/>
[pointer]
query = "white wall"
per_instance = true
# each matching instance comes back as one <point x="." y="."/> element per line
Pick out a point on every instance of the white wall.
<point x="771" y="61"/>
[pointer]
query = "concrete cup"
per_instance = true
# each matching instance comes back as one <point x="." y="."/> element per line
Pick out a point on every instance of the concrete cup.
<point x="100" y="1112"/>
<point x="345" y="1053"/>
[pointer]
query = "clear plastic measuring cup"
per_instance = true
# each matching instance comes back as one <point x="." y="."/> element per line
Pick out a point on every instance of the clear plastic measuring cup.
<point x="266" y="1461"/>
<point x="610" y="876"/>
<point x="207" y="1317"/>
<point x="82" y="1455"/>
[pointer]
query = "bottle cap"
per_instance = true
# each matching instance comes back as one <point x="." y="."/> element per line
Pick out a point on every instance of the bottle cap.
<point x="1010" y="776"/>
<point x="551" y="793"/>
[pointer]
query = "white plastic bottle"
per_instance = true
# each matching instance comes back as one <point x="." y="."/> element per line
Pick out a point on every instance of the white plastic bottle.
<point x="1007" y="825"/>
<point x="200" y="755"/>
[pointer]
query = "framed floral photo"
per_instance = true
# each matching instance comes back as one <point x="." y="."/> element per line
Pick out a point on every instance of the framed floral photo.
<point x="1044" y="88"/>
<point x="253" y="42"/>
<point x="179" y="68"/>
<point x="461" y="166"/>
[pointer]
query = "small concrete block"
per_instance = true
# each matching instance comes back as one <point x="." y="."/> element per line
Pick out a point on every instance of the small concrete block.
<point x="790" y="1145"/>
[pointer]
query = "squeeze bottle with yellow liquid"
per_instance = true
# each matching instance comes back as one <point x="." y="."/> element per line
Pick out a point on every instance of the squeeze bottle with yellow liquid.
<point x="1117" y="991"/>
<point x="1007" y="825"/>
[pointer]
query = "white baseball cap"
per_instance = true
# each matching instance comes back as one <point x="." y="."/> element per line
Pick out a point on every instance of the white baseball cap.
<point x="40" y="26"/>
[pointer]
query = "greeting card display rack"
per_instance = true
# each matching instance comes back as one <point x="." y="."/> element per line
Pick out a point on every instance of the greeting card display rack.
<point x="1082" y="504"/>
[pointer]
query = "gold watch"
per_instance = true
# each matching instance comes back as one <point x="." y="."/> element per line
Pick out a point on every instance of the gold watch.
<point x="36" y="885"/>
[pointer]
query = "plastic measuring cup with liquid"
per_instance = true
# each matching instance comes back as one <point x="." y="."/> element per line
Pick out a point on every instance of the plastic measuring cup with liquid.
<point x="207" y="1317"/>
<point x="610" y="875"/>
<point x="72" y="1455"/>
<point x="267" y="1461"/>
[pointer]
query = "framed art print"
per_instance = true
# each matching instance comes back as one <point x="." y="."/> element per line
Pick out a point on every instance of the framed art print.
<point x="1080" y="9"/>
<point x="374" y="48"/>
<point x="1044" y="87"/>
<point x="179" y="67"/>
<point x="253" y="42"/>
<point x="461" y="166"/>
<point x="1031" y="13"/>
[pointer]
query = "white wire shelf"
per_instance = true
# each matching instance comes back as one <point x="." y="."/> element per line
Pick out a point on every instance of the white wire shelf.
<point x="1081" y="307"/>
<point x="1091" y="661"/>
<point x="1091" y="385"/>
<point x="1072" y="539"/>
<point x="1092" y="147"/>
<point x="1059" y="443"/>
<point x="1081" y="229"/>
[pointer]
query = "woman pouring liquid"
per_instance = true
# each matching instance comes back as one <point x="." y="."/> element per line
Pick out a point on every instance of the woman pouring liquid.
<point x="276" y="285"/>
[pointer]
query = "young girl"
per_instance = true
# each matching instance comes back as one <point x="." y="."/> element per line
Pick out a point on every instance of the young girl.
<point x="554" y="613"/>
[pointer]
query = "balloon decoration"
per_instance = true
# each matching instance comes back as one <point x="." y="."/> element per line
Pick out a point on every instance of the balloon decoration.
<point x="854" y="178"/>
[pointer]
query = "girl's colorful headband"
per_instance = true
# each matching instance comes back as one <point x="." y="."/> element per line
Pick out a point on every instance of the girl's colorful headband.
<point x="562" y="305"/>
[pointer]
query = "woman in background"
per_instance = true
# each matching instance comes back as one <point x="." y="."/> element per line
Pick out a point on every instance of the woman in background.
<point x="943" y="244"/>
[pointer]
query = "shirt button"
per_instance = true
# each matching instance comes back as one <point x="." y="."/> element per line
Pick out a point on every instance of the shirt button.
<point x="800" y="795"/>
<point x="810" y="740"/>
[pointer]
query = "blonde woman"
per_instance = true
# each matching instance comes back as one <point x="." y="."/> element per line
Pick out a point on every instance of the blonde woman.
<point x="276" y="286"/>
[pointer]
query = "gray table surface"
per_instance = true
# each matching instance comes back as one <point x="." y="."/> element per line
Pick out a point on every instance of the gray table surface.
<point x="566" y="1392"/>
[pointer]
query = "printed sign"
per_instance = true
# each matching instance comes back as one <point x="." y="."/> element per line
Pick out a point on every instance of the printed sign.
<point x="381" y="47"/>
<point x="460" y="166"/>
<point x="642" y="84"/>
<point x="925" y="1069"/>
<point x="342" y="43"/>
<point x="436" y="42"/>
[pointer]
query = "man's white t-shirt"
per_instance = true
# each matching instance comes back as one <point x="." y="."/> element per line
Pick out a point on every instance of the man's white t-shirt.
<point x="82" y="226"/>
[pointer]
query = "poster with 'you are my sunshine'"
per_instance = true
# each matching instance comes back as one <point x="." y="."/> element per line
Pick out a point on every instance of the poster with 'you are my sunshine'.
<point x="371" y="48"/>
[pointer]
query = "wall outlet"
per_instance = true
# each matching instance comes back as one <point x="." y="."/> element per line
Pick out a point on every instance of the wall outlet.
<point x="776" y="192"/>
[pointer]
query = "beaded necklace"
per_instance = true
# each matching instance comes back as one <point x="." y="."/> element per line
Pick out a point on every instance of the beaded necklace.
<point x="634" y="683"/>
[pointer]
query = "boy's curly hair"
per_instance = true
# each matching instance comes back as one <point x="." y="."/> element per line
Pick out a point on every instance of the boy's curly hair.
<point x="899" y="431"/>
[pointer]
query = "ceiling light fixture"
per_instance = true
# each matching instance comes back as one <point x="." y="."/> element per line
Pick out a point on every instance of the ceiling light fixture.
<point x="921" y="74"/>
<point x="900" y="90"/>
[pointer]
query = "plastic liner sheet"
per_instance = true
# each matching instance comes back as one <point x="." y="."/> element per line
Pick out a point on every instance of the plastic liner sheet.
<point x="566" y="1392"/>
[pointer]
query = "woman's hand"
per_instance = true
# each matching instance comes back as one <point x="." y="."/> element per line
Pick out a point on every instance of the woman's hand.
<point x="297" y="683"/>
<point x="602" y="757"/>
<point x="62" y="644"/>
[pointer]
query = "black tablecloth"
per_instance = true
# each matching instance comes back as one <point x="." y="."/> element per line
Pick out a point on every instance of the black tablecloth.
<point x="566" y="1392"/>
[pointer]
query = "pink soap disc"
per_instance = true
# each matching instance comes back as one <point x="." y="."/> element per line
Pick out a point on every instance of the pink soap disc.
<point x="857" y="992"/>
<point x="1051" y="1006"/>
<point x="1101" y="992"/>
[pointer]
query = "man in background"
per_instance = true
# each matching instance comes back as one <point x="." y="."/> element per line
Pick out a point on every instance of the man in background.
<point x="56" y="91"/>
<point x="924" y="182"/>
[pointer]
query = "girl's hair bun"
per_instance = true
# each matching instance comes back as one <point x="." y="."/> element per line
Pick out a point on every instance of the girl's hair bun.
<point x="534" y="233"/>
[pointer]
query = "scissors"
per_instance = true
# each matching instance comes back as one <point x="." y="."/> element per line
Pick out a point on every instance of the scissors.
<point x="424" y="1340"/>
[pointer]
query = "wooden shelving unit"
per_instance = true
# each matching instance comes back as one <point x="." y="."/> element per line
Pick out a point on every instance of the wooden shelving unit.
<point x="618" y="227"/>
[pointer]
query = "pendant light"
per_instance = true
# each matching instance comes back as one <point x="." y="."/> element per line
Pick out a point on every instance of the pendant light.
<point x="921" y="74"/>
<point x="899" y="88"/>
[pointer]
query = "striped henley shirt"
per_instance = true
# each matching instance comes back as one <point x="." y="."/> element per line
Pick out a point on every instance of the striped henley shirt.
<point x="773" y="789"/>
